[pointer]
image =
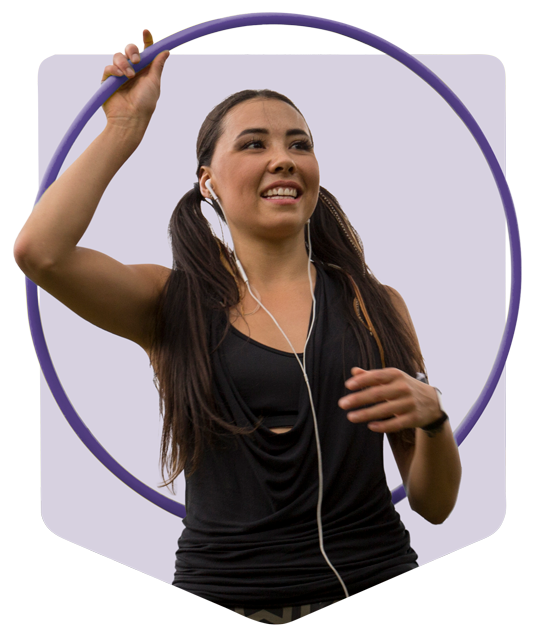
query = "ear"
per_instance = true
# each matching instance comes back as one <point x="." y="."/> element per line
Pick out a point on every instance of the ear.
<point x="205" y="175"/>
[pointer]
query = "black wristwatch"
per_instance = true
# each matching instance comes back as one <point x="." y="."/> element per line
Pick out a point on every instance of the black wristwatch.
<point x="436" y="424"/>
<point x="439" y="422"/>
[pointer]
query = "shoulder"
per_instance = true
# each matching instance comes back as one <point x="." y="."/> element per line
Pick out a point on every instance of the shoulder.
<point x="154" y="275"/>
<point x="398" y="302"/>
<point x="402" y="310"/>
<point x="400" y="306"/>
<point x="151" y="279"/>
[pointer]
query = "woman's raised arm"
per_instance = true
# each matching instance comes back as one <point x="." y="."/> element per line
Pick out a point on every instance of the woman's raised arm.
<point x="111" y="295"/>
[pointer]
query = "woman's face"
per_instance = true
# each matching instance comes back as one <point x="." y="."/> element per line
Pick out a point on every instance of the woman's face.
<point x="264" y="170"/>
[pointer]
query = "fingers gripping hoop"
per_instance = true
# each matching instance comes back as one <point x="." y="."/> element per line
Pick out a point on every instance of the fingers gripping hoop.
<point x="109" y="86"/>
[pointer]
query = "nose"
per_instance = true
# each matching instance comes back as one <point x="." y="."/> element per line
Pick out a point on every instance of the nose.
<point x="282" y="161"/>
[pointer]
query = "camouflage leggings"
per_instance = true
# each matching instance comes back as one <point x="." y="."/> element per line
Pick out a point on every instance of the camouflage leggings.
<point x="383" y="608"/>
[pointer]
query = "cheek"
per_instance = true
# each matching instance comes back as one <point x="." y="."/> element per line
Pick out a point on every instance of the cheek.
<point x="314" y="180"/>
<point x="311" y="170"/>
<point x="244" y="180"/>
<point x="316" y="170"/>
<point x="241" y="184"/>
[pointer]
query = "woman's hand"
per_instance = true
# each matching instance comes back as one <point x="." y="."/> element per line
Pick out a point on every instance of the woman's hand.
<point x="430" y="467"/>
<point x="389" y="394"/>
<point x="135" y="101"/>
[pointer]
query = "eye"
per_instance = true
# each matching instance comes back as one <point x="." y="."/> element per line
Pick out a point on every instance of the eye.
<point x="304" y="144"/>
<point x="253" y="144"/>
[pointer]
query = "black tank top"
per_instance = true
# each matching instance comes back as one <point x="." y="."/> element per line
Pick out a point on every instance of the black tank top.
<point x="250" y="534"/>
<point x="267" y="379"/>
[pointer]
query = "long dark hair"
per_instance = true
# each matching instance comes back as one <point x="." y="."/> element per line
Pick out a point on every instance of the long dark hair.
<point x="204" y="280"/>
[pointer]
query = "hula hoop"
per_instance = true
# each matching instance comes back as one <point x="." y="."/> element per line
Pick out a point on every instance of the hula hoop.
<point x="108" y="87"/>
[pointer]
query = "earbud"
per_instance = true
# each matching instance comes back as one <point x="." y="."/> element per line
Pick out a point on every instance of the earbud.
<point x="215" y="197"/>
<point x="210" y="188"/>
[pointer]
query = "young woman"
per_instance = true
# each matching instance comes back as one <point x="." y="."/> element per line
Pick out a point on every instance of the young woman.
<point x="281" y="362"/>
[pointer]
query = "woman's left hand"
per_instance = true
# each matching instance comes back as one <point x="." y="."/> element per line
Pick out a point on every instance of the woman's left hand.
<point x="389" y="394"/>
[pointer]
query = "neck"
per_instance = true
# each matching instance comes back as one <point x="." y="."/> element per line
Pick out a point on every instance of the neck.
<point x="271" y="265"/>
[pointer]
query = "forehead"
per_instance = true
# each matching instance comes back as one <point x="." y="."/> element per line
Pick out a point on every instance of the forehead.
<point x="272" y="114"/>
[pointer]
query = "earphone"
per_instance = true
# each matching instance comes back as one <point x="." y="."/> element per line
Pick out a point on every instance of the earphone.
<point x="210" y="188"/>
<point x="302" y="367"/>
<point x="239" y="265"/>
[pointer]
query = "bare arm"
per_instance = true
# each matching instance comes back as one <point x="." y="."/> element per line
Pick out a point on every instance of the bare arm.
<point x="431" y="472"/>
<point x="111" y="295"/>
<point x="431" y="468"/>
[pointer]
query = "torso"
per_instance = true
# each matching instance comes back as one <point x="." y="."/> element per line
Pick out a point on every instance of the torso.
<point x="291" y="309"/>
<point x="235" y="544"/>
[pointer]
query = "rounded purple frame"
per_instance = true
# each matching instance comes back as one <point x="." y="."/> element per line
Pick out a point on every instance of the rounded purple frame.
<point x="223" y="24"/>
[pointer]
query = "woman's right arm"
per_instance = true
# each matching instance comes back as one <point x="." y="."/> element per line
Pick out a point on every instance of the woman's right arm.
<point x="111" y="295"/>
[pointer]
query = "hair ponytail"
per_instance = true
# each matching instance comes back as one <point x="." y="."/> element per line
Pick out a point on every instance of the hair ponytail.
<point x="201" y="281"/>
<point x="336" y="243"/>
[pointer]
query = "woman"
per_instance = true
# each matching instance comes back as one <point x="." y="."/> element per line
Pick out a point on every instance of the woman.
<point x="280" y="364"/>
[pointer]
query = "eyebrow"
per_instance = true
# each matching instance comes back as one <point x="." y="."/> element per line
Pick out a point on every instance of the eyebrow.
<point x="292" y="132"/>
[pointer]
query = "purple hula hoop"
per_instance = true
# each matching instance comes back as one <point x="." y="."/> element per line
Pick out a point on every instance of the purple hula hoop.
<point x="113" y="83"/>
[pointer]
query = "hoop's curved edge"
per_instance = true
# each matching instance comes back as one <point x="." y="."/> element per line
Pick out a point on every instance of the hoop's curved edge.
<point x="80" y="429"/>
<point x="106" y="89"/>
<point x="112" y="83"/>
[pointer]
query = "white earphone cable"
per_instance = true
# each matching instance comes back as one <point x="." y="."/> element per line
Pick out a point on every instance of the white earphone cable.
<point x="303" y="368"/>
<point x="317" y="439"/>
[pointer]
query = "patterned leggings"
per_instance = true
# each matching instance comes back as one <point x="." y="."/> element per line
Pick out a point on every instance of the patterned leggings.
<point x="383" y="608"/>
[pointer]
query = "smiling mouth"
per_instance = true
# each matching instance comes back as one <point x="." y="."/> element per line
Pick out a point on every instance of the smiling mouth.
<point x="281" y="193"/>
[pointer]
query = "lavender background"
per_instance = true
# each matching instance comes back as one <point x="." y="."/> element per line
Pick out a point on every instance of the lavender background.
<point x="415" y="185"/>
<point x="19" y="581"/>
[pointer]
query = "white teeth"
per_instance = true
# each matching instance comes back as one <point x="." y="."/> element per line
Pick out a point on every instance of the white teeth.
<point x="280" y="191"/>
